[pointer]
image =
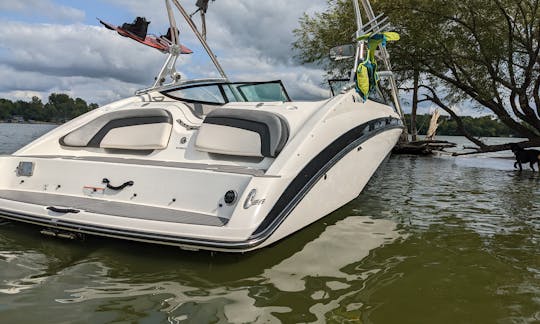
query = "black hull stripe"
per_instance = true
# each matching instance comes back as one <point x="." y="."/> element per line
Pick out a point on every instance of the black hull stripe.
<point x="287" y="202"/>
<point x="95" y="141"/>
<point x="317" y="167"/>
<point x="125" y="122"/>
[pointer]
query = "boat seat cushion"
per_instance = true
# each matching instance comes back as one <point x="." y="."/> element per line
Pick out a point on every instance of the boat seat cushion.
<point x="134" y="129"/>
<point x="243" y="132"/>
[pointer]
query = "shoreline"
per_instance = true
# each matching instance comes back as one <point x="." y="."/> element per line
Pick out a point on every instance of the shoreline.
<point x="58" y="124"/>
<point x="29" y="123"/>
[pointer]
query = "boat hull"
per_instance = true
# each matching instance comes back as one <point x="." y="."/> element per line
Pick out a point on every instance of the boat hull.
<point x="187" y="191"/>
<point x="337" y="181"/>
<point x="337" y="185"/>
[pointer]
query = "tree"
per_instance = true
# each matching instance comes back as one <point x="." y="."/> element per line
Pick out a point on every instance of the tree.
<point x="484" y="53"/>
<point x="59" y="108"/>
<point x="6" y="109"/>
<point x="318" y="34"/>
<point x="80" y="107"/>
<point x="34" y="110"/>
<point x="485" y="126"/>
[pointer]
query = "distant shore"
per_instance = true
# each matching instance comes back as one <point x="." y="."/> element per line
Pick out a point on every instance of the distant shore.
<point x="32" y="122"/>
<point x="36" y="122"/>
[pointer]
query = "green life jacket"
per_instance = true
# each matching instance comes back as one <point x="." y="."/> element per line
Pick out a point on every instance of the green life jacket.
<point x="367" y="77"/>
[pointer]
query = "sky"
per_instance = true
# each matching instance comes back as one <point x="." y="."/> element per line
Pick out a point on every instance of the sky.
<point x="59" y="46"/>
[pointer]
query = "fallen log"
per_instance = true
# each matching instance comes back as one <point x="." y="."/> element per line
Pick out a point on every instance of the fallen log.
<point x="497" y="148"/>
<point x="426" y="147"/>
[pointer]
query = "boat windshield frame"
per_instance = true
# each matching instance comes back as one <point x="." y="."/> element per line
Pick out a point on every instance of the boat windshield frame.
<point x="224" y="90"/>
<point x="345" y="84"/>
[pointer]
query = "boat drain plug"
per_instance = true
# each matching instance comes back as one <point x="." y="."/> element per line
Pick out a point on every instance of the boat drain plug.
<point x="230" y="197"/>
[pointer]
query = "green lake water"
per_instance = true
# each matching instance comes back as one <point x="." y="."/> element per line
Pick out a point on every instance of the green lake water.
<point x="430" y="240"/>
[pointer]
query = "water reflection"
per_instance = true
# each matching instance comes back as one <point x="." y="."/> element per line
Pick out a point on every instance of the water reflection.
<point x="346" y="242"/>
<point x="21" y="271"/>
<point x="327" y="262"/>
<point x="28" y="261"/>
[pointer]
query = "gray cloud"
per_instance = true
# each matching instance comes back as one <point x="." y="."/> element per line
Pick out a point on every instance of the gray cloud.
<point x="44" y="8"/>
<point x="75" y="50"/>
<point x="23" y="85"/>
<point x="264" y="25"/>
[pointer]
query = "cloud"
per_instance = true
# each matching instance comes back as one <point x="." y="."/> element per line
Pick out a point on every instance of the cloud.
<point x="44" y="8"/>
<point x="24" y="85"/>
<point x="75" y="50"/>
<point x="252" y="40"/>
<point x="263" y="25"/>
<point x="250" y="30"/>
<point x="84" y="61"/>
<point x="301" y="82"/>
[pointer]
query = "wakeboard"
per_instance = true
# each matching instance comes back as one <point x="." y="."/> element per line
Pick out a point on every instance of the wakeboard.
<point x="161" y="43"/>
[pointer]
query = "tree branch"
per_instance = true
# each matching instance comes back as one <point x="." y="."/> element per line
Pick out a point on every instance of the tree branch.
<point x="510" y="35"/>
<point x="499" y="147"/>
<point x="498" y="110"/>
<point x="436" y="100"/>
<point x="536" y="95"/>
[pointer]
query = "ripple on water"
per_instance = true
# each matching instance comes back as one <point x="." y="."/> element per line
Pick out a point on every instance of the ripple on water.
<point x="21" y="271"/>
<point x="14" y="136"/>
<point x="346" y="242"/>
<point x="448" y="239"/>
<point x="329" y="260"/>
<point x="178" y="301"/>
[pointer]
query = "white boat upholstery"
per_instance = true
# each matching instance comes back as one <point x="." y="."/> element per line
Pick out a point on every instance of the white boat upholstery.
<point x="134" y="129"/>
<point x="243" y="132"/>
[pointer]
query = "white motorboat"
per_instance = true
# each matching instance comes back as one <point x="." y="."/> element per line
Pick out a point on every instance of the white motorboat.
<point x="201" y="164"/>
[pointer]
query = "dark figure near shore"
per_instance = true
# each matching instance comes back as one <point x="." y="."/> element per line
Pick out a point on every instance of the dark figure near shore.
<point x="525" y="156"/>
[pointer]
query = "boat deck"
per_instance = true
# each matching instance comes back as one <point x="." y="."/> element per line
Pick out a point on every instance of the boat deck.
<point x="168" y="164"/>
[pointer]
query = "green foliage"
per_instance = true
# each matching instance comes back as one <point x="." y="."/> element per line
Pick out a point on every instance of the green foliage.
<point x="58" y="109"/>
<point x="485" y="52"/>
<point x="485" y="126"/>
<point x="6" y="109"/>
<point x="318" y="34"/>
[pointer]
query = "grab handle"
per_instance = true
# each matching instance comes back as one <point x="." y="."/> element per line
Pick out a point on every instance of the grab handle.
<point x="120" y="187"/>
<point x="63" y="210"/>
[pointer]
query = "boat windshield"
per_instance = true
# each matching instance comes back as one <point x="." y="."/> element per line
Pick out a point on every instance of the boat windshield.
<point x="222" y="93"/>
<point x="337" y="85"/>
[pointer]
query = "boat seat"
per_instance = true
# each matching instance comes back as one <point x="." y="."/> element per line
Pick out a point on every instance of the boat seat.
<point x="133" y="129"/>
<point x="243" y="132"/>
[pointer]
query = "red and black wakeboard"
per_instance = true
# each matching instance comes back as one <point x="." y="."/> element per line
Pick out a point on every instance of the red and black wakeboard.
<point x="161" y="43"/>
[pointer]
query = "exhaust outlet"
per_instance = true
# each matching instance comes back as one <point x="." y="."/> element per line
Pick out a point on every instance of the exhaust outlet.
<point x="61" y="234"/>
